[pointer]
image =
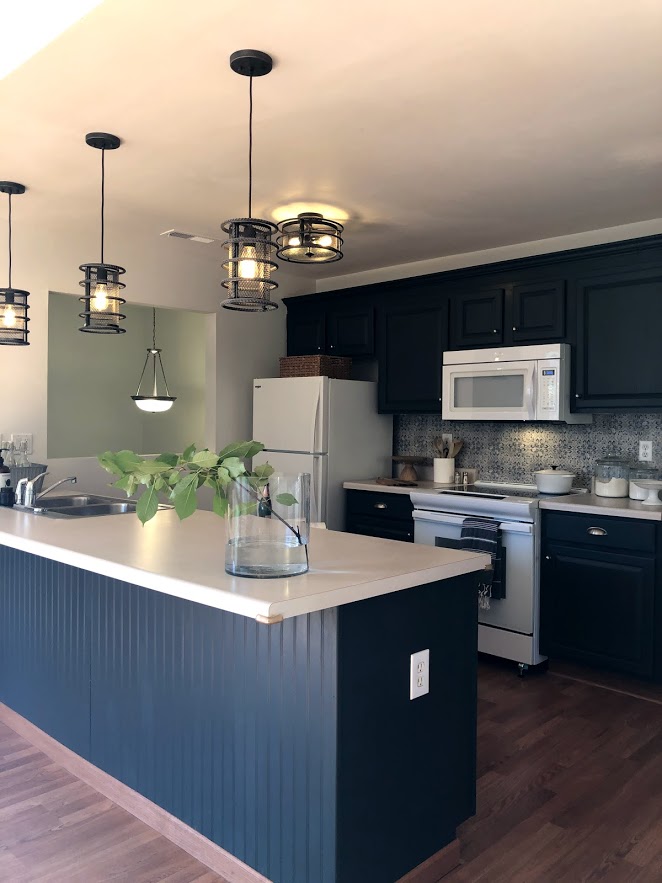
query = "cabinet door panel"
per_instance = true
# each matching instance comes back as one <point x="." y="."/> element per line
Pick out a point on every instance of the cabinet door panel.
<point x="597" y="607"/>
<point x="351" y="332"/>
<point x="618" y="341"/>
<point x="306" y="333"/>
<point x="477" y="318"/>
<point x="388" y="530"/>
<point x="538" y="312"/>
<point x="411" y="342"/>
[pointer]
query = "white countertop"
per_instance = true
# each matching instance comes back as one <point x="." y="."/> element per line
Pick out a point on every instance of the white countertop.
<point x="590" y="504"/>
<point x="186" y="559"/>
<point x="422" y="487"/>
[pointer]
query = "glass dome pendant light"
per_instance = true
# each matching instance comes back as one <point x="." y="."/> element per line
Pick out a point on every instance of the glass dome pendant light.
<point x="310" y="238"/>
<point x="13" y="301"/>
<point x="102" y="300"/>
<point x="249" y="244"/>
<point x="154" y="402"/>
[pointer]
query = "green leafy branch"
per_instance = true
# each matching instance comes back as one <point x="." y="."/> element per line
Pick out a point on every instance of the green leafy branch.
<point x="178" y="477"/>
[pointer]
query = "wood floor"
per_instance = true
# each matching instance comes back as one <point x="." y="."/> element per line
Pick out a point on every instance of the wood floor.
<point x="569" y="790"/>
<point x="569" y="783"/>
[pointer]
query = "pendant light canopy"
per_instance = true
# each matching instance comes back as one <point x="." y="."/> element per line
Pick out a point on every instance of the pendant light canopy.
<point x="154" y="402"/>
<point x="310" y="239"/>
<point x="102" y="301"/>
<point x="13" y="301"/>
<point x="249" y="244"/>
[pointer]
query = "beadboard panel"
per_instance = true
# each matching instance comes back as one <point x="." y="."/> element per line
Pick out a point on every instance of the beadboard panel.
<point x="227" y="724"/>
<point x="44" y="646"/>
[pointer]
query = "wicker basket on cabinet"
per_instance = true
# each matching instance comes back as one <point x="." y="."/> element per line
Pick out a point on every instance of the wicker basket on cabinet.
<point x="337" y="367"/>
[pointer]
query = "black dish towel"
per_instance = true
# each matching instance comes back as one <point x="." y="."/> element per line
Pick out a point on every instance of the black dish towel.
<point x="484" y="535"/>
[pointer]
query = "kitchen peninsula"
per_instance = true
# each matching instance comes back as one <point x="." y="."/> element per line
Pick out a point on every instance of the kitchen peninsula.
<point x="271" y="716"/>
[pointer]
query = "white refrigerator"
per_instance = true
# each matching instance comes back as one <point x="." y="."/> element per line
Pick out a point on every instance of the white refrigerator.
<point x="329" y="428"/>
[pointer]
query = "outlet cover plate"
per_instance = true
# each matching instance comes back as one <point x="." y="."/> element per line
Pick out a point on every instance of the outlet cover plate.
<point x="20" y="436"/>
<point x="646" y="451"/>
<point x="419" y="674"/>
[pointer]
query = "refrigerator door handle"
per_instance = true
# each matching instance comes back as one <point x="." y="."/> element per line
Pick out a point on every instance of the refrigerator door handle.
<point x="315" y="423"/>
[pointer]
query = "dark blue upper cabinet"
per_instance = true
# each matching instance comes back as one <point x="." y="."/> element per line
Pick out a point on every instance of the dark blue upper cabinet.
<point x="538" y="313"/>
<point x="619" y="316"/>
<point x="477" y="318"/>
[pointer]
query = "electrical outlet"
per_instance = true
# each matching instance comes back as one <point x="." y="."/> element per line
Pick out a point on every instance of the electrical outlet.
<point x="646" y="450"/>
<point x="20" y="437"/>
<point x="419" y="674"/>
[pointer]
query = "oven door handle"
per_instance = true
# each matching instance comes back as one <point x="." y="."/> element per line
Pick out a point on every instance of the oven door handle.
<point x="457" y="520"/>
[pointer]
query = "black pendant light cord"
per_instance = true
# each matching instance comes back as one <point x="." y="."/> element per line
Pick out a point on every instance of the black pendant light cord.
<point x="10" y="240"/>
<point x="103" y="196"/>
<point x="250" y="147"/>
<point x="153" y="327"/>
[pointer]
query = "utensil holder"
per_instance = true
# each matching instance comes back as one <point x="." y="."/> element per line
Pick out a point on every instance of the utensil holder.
<point x="443" y="470"/>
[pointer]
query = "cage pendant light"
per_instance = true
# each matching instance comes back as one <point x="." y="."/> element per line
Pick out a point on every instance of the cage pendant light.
<point x="249" y="244"/>
<point x="154" y="402"/>
<point x="310" y="238"/>
<point x="102" y="300"/>
<point x="13" y="301"/>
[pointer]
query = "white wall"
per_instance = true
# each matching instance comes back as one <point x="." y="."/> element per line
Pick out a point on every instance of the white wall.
<point x="491" y="255"/>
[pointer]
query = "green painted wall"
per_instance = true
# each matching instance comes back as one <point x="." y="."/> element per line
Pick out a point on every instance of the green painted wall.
<point x="91" y="378"/>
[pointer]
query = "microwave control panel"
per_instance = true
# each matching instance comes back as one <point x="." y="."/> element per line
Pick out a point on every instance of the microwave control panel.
<point x="548" y="388"/>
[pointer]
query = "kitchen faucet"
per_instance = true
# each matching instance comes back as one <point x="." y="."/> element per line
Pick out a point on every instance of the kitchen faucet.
<point x="25" y="493"/>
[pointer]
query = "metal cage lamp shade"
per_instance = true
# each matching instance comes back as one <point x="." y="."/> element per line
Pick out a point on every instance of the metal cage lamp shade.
<point x="310" y="239"/>
<point x="13" y="301"/>
<point x="102" y="301"/>
<point x="154" y="402"/>
<point x="249" y="244"/>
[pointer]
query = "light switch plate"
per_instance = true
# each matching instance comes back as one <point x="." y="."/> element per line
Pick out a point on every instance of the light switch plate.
<point x="419" y="674"/>
<point x="19" y="437"/>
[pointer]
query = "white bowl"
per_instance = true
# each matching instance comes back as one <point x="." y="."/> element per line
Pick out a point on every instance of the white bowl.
<point x="553" y="481"/>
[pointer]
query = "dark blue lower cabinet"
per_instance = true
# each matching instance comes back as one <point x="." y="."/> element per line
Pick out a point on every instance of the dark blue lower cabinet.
<point x="294" y="746"/>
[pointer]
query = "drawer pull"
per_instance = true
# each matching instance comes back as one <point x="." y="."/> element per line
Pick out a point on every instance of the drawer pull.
<point x="597" y="531"/>
<point x="381" y="506"/>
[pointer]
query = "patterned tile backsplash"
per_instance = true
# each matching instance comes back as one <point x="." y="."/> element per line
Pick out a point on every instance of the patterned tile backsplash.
<point x="512" y="451"/>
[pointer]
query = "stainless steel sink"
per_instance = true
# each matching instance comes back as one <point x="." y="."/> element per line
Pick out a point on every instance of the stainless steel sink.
<point x="68" y="500"/>
<point x="90" y="510"/>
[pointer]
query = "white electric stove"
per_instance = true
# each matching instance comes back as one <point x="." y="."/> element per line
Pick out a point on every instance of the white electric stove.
<point x="510" y="628"/>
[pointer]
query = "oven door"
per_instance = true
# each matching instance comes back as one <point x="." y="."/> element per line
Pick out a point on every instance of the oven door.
<point x="516" y="611"/>
<point x="489" y="391"/>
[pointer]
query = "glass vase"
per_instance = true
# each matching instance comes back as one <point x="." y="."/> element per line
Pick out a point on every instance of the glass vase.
<point x="268" y="528"/>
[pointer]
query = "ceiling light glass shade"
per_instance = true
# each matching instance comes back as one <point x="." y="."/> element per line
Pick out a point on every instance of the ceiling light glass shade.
<point x="249" y="265"/>
<point x="102" y="300"/>
<point x="13" y="301"/>
<point x="310" y="239"/>
<point x="154" y="402"/>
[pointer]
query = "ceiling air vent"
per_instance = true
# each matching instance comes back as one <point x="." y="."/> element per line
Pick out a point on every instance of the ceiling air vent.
<point x="177" y="234"/>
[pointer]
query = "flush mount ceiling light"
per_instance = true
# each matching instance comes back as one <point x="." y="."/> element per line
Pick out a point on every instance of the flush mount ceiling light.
<point x="102" y="300"/>
<point x="310" y="239"/>
<point x="154" y="402"/>
<point x="249" y="244"/>
<point x="13" y="301"/>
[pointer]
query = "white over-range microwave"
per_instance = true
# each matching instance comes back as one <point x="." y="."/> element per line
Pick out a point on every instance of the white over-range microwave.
<point x="510" y="383"/>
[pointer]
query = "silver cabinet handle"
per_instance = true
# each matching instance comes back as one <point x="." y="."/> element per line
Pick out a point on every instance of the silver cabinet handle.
<point x="381" y="506"/>
<point x="514" y="327"/>
<point x="495" y="331"/>
<point x="597" y="531"/>
<point x="548" y="557"/>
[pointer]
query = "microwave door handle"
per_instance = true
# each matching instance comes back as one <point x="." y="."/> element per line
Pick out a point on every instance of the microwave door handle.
<point x="531" y="393"/>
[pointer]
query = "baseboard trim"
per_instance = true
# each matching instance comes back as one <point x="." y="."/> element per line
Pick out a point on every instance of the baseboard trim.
<point x="437" y="866"/>
<point x="214" y="857"/>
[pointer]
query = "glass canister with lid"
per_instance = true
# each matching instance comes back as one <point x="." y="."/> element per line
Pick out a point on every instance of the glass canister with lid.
<point x="612" y="477"/>
<point x="643" y="471"/>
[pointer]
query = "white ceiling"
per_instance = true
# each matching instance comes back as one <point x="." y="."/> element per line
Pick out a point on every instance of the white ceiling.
<point x="439" y="126"/>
